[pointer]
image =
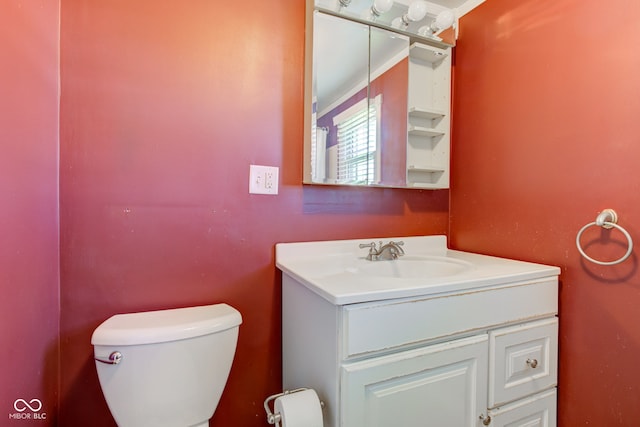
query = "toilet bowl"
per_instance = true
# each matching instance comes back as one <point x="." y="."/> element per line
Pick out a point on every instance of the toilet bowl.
<point x="166" y="368"/>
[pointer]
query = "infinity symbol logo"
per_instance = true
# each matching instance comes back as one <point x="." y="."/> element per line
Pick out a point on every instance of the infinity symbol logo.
<point x="21" y="405"/>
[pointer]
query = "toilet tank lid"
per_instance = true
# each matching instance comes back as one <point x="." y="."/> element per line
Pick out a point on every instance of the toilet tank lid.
<point x="165" y="325"/>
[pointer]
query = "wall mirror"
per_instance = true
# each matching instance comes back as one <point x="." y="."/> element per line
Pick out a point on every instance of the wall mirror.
<point x="357" y="127"/>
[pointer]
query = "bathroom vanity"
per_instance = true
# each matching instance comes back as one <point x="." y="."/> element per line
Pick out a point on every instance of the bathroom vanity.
<point x="437" y="337"/>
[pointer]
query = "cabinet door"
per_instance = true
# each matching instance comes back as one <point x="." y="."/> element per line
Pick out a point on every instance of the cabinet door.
<point x="443" y="385"/>
<point x="536" y="411"/>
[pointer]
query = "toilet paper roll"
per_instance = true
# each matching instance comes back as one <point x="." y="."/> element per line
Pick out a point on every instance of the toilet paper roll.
<point x="299" y="409"/>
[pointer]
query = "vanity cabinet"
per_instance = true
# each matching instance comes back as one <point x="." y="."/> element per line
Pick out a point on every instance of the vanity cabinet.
<point x="474" y="357"/>
<point x="429" y="98"/>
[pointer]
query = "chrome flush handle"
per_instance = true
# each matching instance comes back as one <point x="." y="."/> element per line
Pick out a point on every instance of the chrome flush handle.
<point x="114" y="358"/>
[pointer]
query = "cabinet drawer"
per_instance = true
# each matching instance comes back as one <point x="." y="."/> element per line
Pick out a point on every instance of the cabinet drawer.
<point x="535" y="411"/>
<point x="523" y="360"/>
<point x="385" y="325"/>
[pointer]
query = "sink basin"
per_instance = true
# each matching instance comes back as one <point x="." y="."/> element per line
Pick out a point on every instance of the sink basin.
<point x="339" y="271"/>
<point x="408" y="267"/>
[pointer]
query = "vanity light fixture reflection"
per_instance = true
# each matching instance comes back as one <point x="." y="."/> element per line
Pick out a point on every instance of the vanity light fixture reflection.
<point x="417" y="10"/>
<point x="379" y="7"/>
<point x="444" y="20"/>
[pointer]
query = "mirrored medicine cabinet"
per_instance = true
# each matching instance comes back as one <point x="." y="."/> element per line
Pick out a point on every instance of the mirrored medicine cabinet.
<point x="377" y="104"/>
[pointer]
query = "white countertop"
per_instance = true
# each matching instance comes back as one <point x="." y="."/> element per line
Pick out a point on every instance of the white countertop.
<point x="338" y="271"/>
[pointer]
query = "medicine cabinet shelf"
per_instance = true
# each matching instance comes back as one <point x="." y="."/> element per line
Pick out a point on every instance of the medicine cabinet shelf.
<point x="428" y="117"/>
<point x="413" y="168"/>
<point x="427" y="53"/>
<point x="423" y="176"/>
<point x="423" y="113"/>
<point x="421" y="185"/>
<point x="423" y="131"/>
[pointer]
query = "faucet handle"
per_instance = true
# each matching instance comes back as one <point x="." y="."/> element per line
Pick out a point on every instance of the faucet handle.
<point x="397" y="250"/>
<point x="373" y="251"/>
<point x="373" y="248"/>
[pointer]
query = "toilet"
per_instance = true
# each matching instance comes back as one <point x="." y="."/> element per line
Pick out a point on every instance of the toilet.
<point x="166" y="368"/>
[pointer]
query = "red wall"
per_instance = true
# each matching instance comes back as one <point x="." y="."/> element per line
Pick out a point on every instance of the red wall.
<point x="164" y="107"/>
<point x="393" y="86"/>
<point x="29" y="273"/>
<point x="546" y="135"/>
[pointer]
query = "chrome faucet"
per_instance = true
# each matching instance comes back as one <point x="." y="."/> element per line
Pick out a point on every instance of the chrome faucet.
<point x="380" y="252"/>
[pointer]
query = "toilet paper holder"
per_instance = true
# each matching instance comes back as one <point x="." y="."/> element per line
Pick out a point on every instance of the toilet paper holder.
<point x="276" y="418"/>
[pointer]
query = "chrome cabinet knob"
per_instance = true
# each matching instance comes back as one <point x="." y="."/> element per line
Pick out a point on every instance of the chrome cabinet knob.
<point x="533" y="363"/>
<point x="485" y="420"/>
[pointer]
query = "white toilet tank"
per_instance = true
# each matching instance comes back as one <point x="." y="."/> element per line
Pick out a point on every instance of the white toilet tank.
<point x="166" y="368"/>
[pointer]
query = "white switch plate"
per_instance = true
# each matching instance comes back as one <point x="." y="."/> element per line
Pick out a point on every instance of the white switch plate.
<point x="263" y="179"/>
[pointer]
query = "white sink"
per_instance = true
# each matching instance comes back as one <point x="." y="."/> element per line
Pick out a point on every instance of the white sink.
<point x="412" y="267"/>
<point x="339" y="272"/>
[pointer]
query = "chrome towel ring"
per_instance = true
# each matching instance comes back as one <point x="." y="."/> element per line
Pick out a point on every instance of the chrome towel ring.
<point x="608" y="218"/>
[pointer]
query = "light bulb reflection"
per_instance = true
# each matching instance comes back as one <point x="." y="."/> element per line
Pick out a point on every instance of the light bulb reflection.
<point x="381" y="6"/>
<point x="417" y="11"/>
<point x="444" y="20"/>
